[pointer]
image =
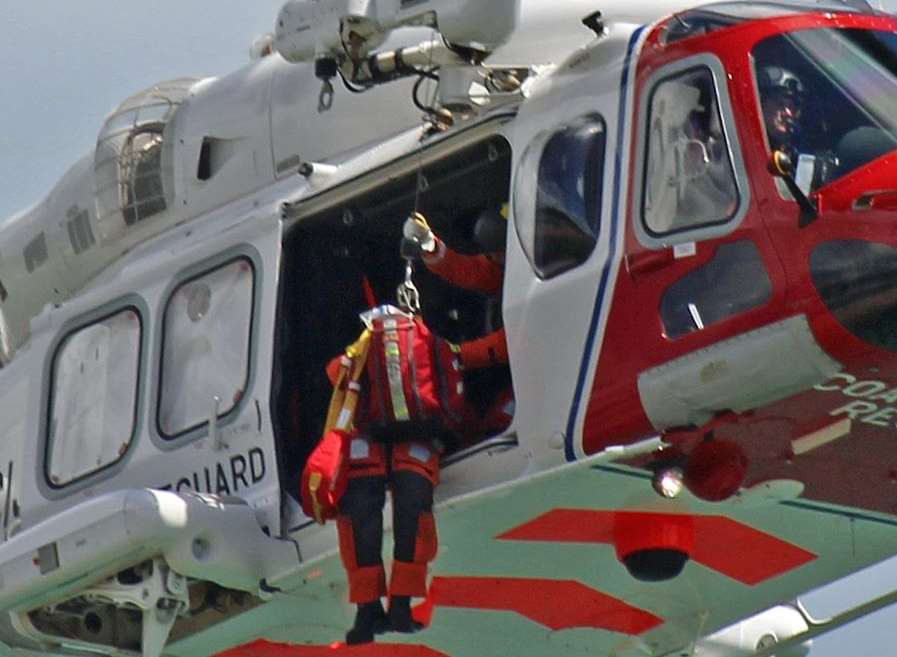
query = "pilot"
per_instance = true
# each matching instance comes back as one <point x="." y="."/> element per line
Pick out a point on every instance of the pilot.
<point x="783" y="100"/>
<point x="483" y="273"/>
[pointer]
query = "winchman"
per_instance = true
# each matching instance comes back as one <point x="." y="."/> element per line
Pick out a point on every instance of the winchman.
<point x="396" y="444"/>
<point x="398" y="395"/>
<point x="398" y="399"/>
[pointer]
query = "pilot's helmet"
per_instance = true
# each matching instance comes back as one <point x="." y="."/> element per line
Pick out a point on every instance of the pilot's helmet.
<point x="782" y="96"/>
<point x="777" y="78"/>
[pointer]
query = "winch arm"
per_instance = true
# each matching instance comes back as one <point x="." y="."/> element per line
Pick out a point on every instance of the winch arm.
<point x="308" y="30"/>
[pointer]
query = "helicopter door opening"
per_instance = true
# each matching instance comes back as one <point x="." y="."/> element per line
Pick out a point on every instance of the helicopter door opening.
<point x="335" y="261"/>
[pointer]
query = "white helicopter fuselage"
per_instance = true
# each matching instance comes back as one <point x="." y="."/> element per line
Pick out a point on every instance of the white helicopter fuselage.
<point x="200" y="249"/>
<point x="259" y="124"/>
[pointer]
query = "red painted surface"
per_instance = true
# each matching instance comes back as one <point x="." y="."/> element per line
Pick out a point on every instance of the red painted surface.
<point x="744" y="553"/>
<point x="556" y="604"/>
<point x="722" y="544"/>
<point x="634" y="339"/>
<point x="854" y="470"/>
<point x="716" y="469"/>
<point x="262" y="648"/>
<point x="633" y="532"/>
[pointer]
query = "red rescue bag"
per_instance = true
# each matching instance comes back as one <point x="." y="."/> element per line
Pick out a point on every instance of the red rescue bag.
<point x="412" y="373"/>
<point x="324" y="477"/>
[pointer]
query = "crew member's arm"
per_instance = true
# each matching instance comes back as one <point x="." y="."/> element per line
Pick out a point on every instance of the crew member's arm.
<point x="487" y="351"/>
<point x="472" y="272"/>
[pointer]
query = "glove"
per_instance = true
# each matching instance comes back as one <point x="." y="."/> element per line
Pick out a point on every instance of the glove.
<point x="417" y="238"/>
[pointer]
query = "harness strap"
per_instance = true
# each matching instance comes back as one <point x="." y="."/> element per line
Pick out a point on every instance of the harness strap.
<point x="344" y="399"/>
<point x="393" y="354"/>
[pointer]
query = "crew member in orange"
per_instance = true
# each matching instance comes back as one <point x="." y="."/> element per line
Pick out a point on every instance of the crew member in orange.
<point x="409" y="464"/>
<point x="405" y="457"/>
<point x="483" y="273"/>
<point x="411" y="470"/>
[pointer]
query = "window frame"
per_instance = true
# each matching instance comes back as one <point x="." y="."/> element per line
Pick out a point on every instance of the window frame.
<point x="646" y="236"/>
<point x="173" y="441"/>
<point x="526" y="199"/>
<point x="138" y="307"/>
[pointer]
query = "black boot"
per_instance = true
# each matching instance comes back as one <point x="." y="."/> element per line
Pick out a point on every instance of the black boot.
<point x="400" y="619"/>
<point x="370" y="619"/>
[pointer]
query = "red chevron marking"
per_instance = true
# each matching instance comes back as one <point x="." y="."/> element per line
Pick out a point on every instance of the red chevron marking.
<point x="537" y="600"/>
<point x="263" y="648"/>
<point x="759" y="557"/>
<point x="566" y="526"/>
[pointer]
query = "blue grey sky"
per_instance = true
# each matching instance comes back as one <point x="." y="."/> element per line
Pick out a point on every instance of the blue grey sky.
<point x="64" y="65"/>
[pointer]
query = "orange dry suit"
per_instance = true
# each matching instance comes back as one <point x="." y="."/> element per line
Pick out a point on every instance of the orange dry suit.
<point x="478" y="273"/>
<point x="385" y="453"/>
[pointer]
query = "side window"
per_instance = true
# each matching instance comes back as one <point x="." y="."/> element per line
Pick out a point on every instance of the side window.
<point x="205" y="347"/>
<point x="689" y="176"/>
<point x="733" y="282"/>
<point x="567" y="204"/>
<point x="93" y="397"/>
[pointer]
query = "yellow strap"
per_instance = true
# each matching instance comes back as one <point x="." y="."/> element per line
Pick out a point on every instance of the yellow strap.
<point x="314" y="483"/>
<point x="344" y="400"/>
<point x="393" y="353"/>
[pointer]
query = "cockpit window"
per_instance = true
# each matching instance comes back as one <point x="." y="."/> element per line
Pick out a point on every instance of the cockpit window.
<point x="694" y="23"/>
<point x="717" y="16"/>
<point x="828" y="100"/>
<point x="133" y="176"/>
<point x="689" y="176"/>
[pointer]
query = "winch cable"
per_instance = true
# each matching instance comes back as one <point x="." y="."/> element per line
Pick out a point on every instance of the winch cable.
<point x="408" y="295"/>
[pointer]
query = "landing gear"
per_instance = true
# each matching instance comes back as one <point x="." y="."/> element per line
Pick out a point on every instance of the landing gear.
<point x="134" y="610"/>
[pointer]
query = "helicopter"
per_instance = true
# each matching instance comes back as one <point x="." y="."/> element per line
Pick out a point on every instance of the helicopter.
<point x="698" y="323"/>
